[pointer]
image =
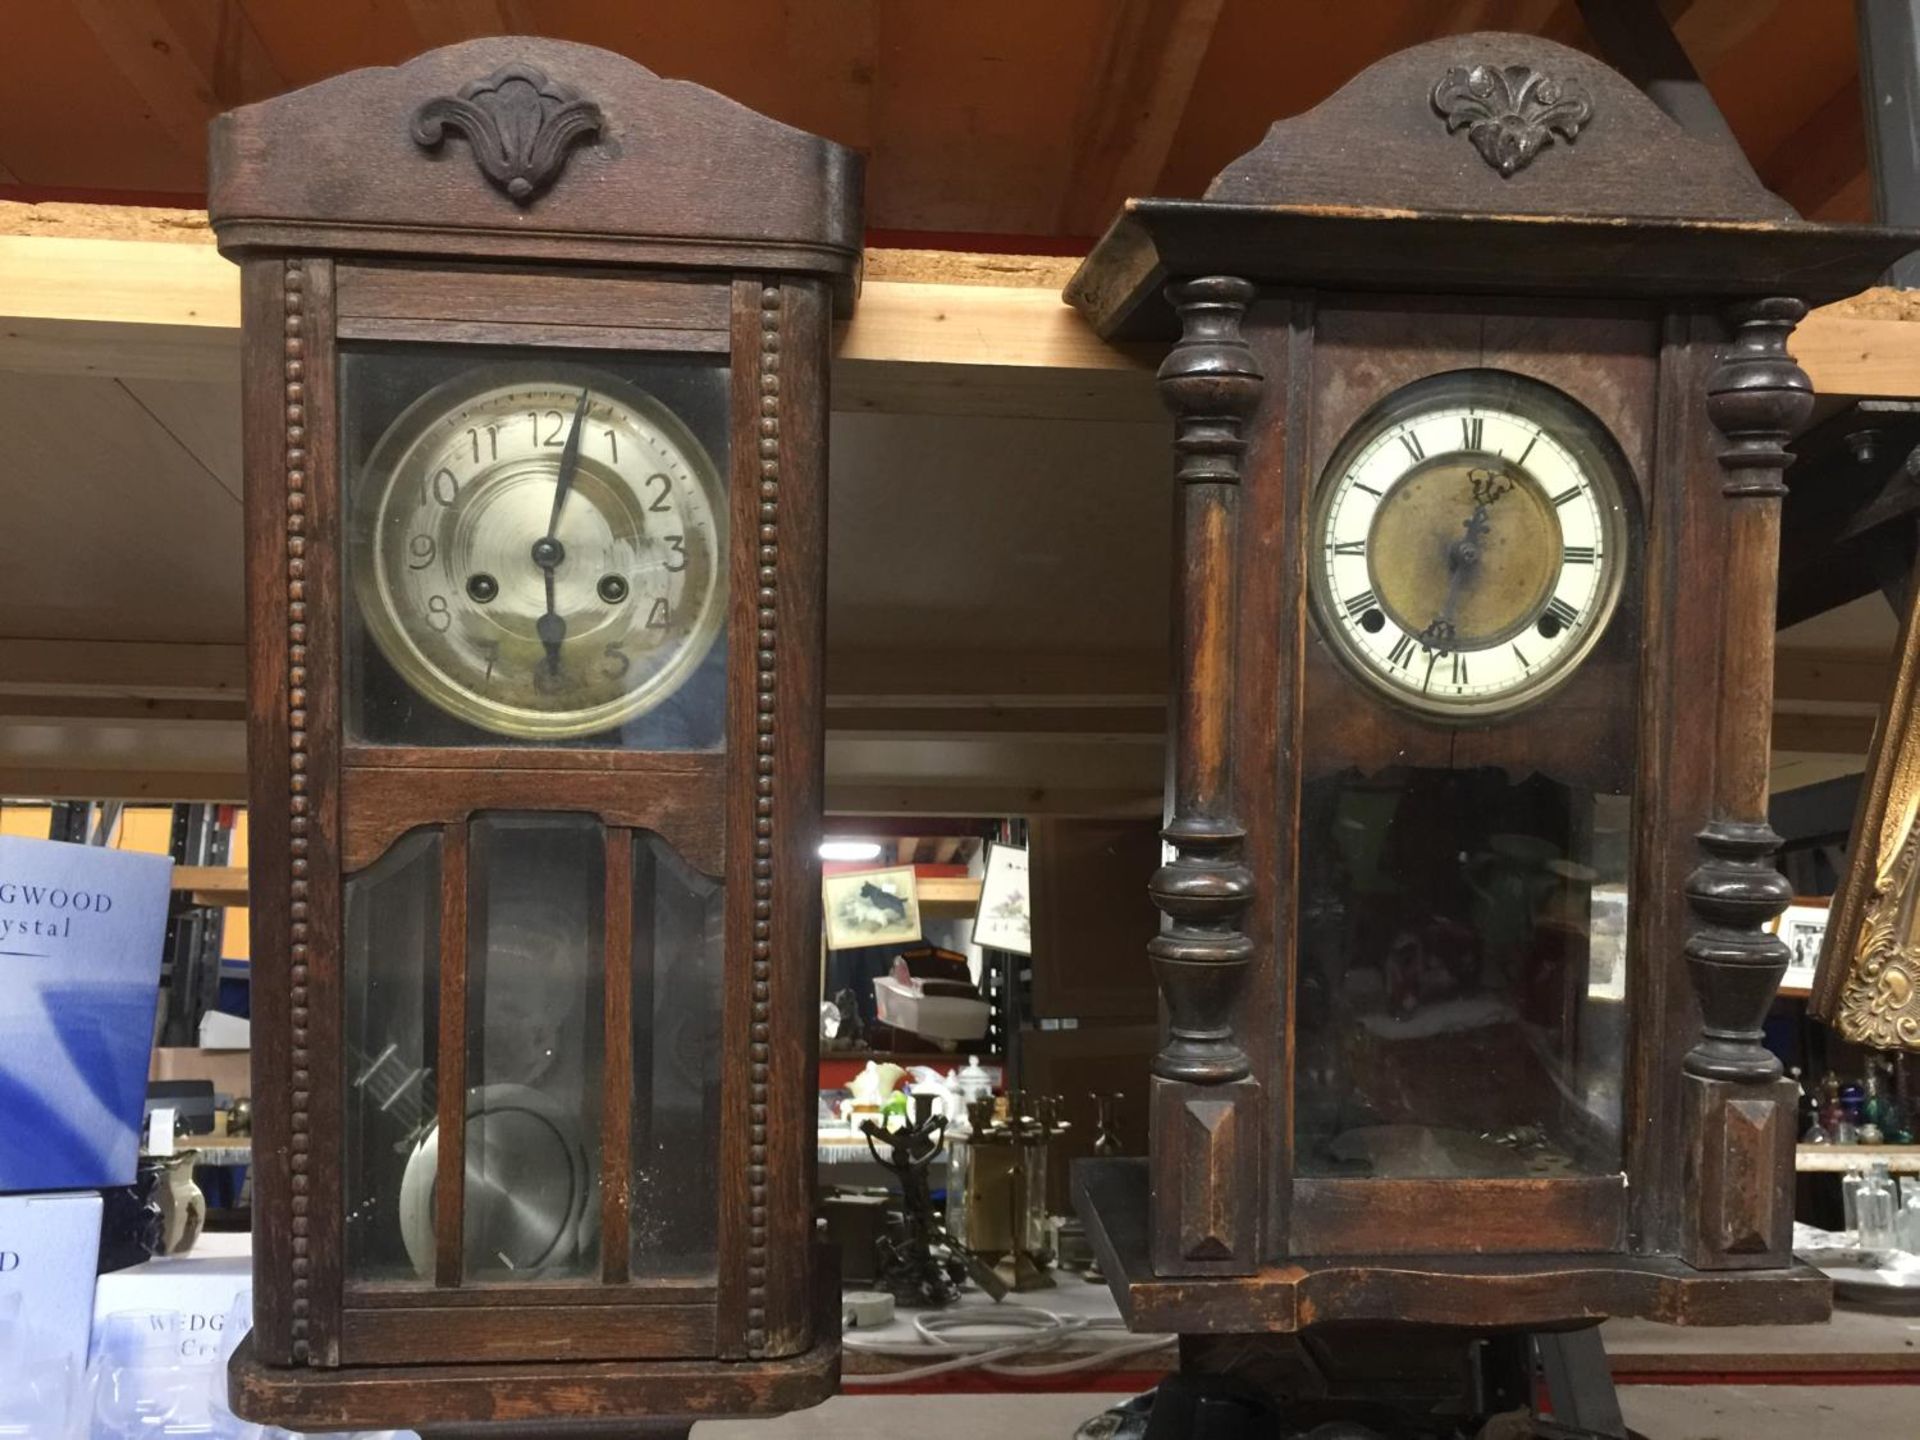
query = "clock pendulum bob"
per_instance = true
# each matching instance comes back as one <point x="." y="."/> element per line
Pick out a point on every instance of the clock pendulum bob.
<point x="1480" y="386"/>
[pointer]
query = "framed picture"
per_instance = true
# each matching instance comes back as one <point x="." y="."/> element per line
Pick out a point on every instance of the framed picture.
<point x="1004" y="920"/>
<point x="1803" y="925"/>
<point x="871" y="907"/>
<point x="1868" y="985"/>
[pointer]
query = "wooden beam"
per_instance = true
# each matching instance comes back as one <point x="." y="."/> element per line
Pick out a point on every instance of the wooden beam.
<point x="1710" y="30"/>
<point x="985" y="678"/>
<point x="132" y="308"/>
<point x="1858" y="677"/>
<point x="1108" y="723"/>
<point x="1823" y="158"/>
<point x="55" y="781"/>
<point x="212" y="884"/>
<point x="989" y="801"/>
<point x="1822" y="734"/>
<point x="1845" y="354"/>
<point x="168" y="310"/>
<point x="120" y="707"/>
<point x="133" y="670"/>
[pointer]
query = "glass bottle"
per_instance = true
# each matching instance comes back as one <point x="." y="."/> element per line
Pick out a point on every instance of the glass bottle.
<point x="1852" y="1096"/>
<point x="1046" y="1126"/>
<point x="1812" y="1132"/>
<point x="1901" y="1130"/>
<point x="1875" y="1101"/>
<point x="1906" y="1225"/>
<point x="1830" y="1112"/>
<point x="1877" y="1209"/>
<point x="1106" y="1139"/>
<point x="1850" y="1202"/>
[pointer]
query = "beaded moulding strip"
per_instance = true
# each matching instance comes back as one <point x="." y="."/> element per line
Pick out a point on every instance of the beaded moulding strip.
<point x="764" y="641"/>
<point x="293" y="293"/>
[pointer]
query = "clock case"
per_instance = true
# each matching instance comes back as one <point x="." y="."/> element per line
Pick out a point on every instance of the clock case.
<point x="543" y="196"/>
<point x="1541" y="216"/>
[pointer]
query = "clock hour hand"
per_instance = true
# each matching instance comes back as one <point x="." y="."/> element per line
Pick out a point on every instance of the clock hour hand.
<point x="551" y="627"/>
<point x="569" y="462"/>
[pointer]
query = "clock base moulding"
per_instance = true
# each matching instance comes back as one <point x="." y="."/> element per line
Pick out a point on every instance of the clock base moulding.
<point x="527" y="1401"/>
<point x="1542" y="1291"/>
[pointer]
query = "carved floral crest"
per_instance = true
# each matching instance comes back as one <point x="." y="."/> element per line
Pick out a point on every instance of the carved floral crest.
<point x="1510" y="112"/>
<point x="519" y="124"/>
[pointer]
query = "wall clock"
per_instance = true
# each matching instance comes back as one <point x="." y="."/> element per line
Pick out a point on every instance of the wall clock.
<point x="536" y="366"/>
<point x="1469" y="539"/>
<point x="1481" y="385"/>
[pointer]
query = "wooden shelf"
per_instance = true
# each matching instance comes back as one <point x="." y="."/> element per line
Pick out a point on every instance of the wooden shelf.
<point x="948" y="897"/>
<point x="941" y="896"/>
<point x="212" y="884"/>
<point x="1838" y="1159"/>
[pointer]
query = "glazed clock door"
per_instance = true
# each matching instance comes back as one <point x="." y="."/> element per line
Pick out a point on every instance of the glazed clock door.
<point x="1470" y="542"/>
<point x="538" y="725"/>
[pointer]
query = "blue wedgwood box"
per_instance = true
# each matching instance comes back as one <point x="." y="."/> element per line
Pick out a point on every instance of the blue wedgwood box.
<point x="81" y="934"/>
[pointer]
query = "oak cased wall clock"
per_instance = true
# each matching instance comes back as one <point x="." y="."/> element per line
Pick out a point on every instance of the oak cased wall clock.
<point x="1481" y="378"/>
<point x="535" y="399"/>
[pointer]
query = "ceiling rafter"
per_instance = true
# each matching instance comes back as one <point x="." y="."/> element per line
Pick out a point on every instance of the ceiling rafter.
<point x="1150" y="58"/>
<point x="186" y="63"/>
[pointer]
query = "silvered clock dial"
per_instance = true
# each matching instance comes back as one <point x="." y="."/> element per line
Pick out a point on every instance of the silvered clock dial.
<point x="539" y="550"/>
<point x="1468" y="543"/>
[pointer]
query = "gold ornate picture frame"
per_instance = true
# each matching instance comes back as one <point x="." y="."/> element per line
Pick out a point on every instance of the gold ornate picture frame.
<point x="1868" y="985"/>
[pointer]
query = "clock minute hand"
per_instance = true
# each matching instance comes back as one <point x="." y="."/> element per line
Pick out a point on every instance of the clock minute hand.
<point x="1463" y="558"/>
<point x="569" y="462"/>
<point x="551" y="627"/>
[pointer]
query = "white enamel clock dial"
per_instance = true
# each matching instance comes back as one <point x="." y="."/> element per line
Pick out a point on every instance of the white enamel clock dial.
<point x="1468" y="543"/>
<point x="541" y="551"/>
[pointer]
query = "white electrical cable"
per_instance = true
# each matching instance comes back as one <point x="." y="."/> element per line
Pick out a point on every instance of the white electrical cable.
<point x="1046" y="1329"/>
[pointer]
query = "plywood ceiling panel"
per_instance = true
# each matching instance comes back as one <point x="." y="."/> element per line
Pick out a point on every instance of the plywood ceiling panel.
<point x="1000" y="117"/>
<point x="202" y="416"/>
<point x="975" y="112"/>
<point x="69" y="119"/>
<point x="997" y="536"/>
<point x="115" y="529"/>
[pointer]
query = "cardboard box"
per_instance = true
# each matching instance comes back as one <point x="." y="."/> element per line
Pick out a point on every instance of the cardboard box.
<point x="49" y="1245"/>
<point x="81" y="933"/>
<point x="202" y="1285"/>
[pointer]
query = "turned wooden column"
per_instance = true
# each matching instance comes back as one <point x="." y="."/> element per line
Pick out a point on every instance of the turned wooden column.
<point x="1740" y="1111"/>
<point x="1205" y="1106"/>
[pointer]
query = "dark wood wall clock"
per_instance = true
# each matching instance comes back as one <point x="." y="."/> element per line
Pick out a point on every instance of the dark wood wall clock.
<point x="1480" y="380"/>
<point x="535" y="389"/>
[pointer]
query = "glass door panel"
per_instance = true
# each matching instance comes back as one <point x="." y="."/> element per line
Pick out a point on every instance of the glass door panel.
<point x="1460" y="1003"/>
<point x="535" y="1047"/>
<point x="391" y="964"/>
<point x="677" y="965"/>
